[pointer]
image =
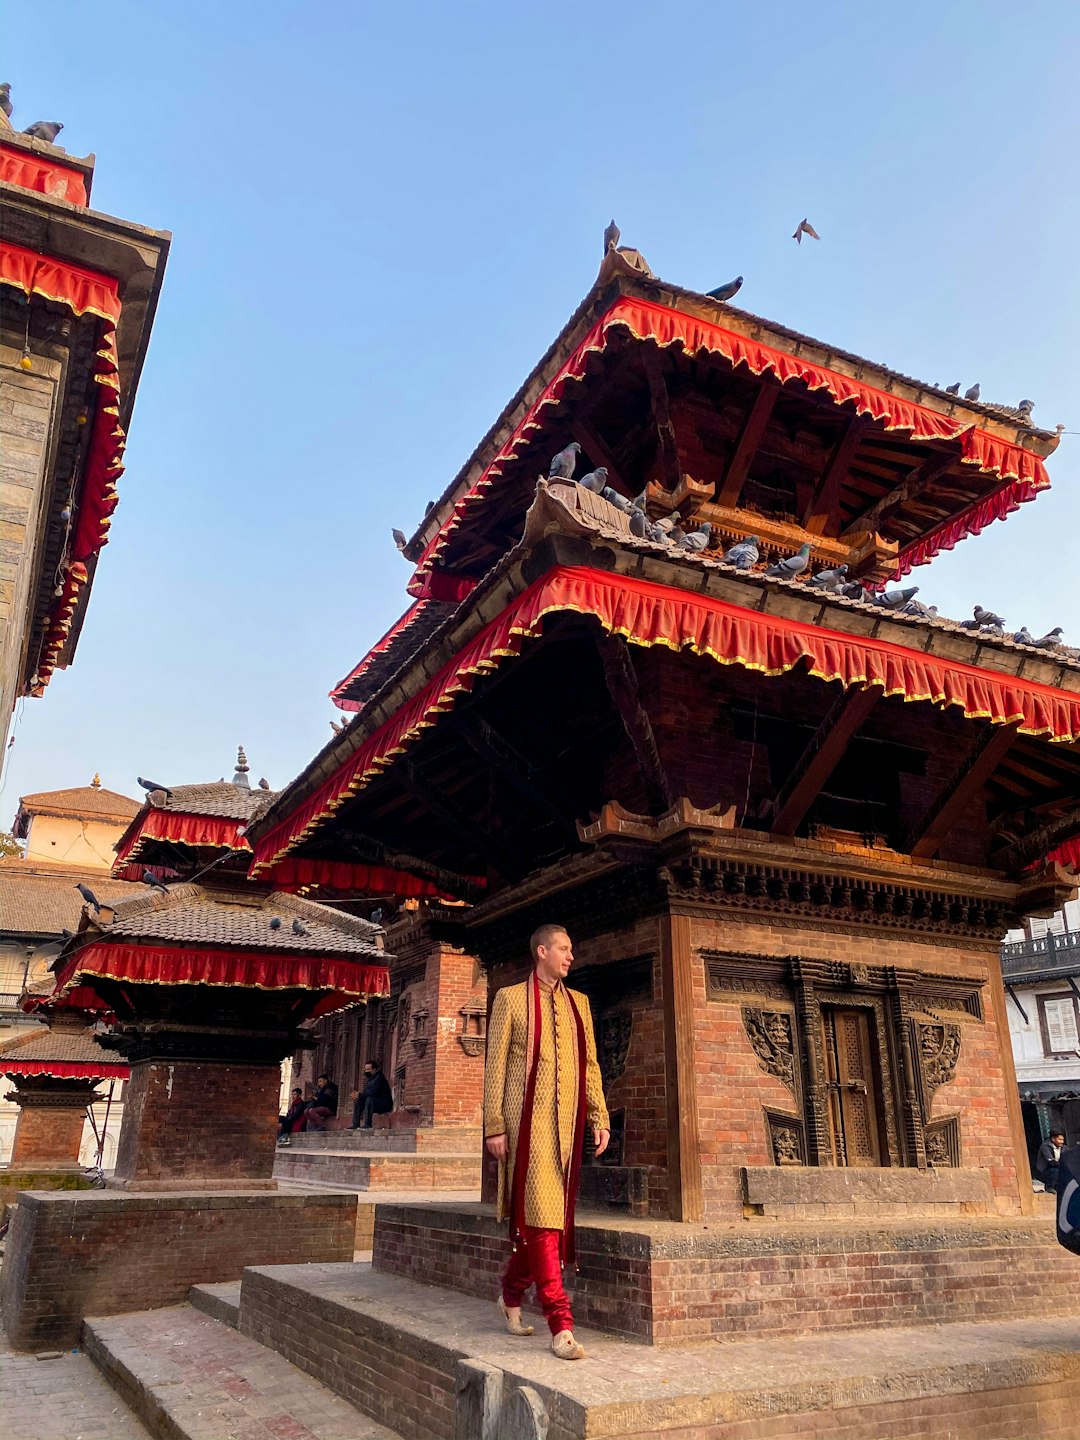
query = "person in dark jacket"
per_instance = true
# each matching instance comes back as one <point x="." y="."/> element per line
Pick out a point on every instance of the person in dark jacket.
<point x="293" y="1117"/>
<point x="1048" y="1160"/>
<point x="374" y="1098"/>
<point x="323" y="1106"/>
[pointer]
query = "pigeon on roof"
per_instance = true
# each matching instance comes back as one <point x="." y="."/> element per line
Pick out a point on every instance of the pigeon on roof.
<point x="793" y="565"/>
<point x="744" y="554"/>
<point x="152" y="787"/>
<point x="275" y="922"/>
<point x="400" y="538"/>
<point x="5" y="99"/>
<point x="897" y="599"/>
<point x="612" y="236"/>
<point x="89" y="896"/>
<point x="264" y="784"/>
<point x="804" y="228"/>
<point x="726" y="292"/>
<point x="149" y="878"/>
<point x="1024" y="636"/>
<point x="697" y="539"/>
<point x="46" y="130"/>
<point x="595" y="480"/>
<point x="1051" y="640"/>
<point x="953" y="389"/>
<point x="562" y="464"/>
<point x="973" y="393"/>
<point x="832" y="580"/>
<point x="299" y="928"/>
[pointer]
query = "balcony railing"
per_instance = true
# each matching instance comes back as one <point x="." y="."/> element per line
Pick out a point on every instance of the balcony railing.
<point x="1058" y="953"/>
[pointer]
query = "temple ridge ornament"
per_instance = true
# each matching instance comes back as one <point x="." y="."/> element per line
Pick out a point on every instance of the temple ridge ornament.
<point x="939" y="1052"/>
<point x="770" y="1034"/>
<point x="615" y="1033"/>
<point x="472" y="1036"/>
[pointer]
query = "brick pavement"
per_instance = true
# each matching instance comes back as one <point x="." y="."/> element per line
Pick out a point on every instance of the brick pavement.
<point x="63" y="1399"/>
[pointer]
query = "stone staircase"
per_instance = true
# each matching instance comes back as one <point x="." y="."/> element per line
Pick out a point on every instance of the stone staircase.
<point x="342" y="1352"/>
<point x="383" y="1160"/>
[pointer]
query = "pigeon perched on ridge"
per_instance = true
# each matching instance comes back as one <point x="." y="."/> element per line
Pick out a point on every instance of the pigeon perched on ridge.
<point x="337" y="726"/>
<point x="595" y="480"/>
<point x="1024" y="636"/>
<point x="744" y="554"/>
<point x="832" y="580"/>
<point x="645" y="529"/>
<point x="614" y="498"/>
<point x="612" y="236"/>
<point x="264" y="784"/>
<point x="855" y="591"/>
<point x="5" y="99"/>
<point x="953" y="389"/>
<point x="973" y="393"/>
<point x="987" y="617"/>
<point x="149" y="878"/>
<point x="562" y="464"/>
<point x="916" y="607"/>
<point x="400" y="538"/>
<point x="726" y="292"/>
<point x="698" y="539"/>
<point x="804" y="228"/>
<point x="1051" y="640"/>
<point x="793" y="565"/>
<point x="668" y="524"/>
<point x="895" y="599"/>
<point x="275" y="922"/>
<point x="299" y="928"/>
<point x="152" y="787"/>
<point x="46" y="130"/>
<point x="1026" y="407"/>
<point x="89" y="896"/>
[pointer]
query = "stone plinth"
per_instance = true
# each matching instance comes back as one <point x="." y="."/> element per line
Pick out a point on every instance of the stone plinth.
<point x="103" y="1252"/>
<point x="678" y="1284"/>
<point x="52" y="1112"/>
<point x="192" y="1122"/>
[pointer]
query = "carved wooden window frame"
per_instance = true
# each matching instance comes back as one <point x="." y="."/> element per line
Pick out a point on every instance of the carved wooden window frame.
<point x="1044" y="1029"/>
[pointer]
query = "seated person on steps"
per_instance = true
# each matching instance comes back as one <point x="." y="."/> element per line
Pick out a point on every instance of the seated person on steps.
<point x="374" y="1097"/>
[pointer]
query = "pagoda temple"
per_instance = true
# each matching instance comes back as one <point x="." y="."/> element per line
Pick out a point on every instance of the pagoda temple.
<point x="787" y="821"/>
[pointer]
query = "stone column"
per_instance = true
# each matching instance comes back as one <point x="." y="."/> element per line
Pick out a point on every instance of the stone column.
<point x="52" y="1111"/>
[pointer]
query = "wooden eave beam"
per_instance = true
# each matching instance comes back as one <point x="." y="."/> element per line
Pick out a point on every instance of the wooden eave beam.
<point x="930" y="832"/>
<point x="924" y="475"/>
<point x="661" y="407"/>
<point x="509" y="765"/>
<point x="821" y="757"/>
<point x="1036" y="845"/>
<point x="823" y="509"/>
<point x="597" y="447"/>
<point x="622" y="684"/>
<point x="458" y="823"/>
<point x="750" y="437"/>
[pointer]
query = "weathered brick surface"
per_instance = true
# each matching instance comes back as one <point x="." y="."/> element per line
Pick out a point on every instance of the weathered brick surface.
<point x="186" y="1122"/>
<point x="48" y="1136"/>
<point x="104" y="1253"/>
<point x="676" y="1285"/>
<point x="60" y="1399"/>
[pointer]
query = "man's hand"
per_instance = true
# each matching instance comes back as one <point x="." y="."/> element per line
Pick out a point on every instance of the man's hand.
<point x="600" y="1139"/>
<point x="497" y="1146"/>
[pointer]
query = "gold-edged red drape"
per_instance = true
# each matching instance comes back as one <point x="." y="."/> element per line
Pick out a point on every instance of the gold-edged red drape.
<point x="649" y="614"/>
<point x="84" y="292"/>
<point x="295" y="873"/>
<point x="412" y="614"/>
<point x="1022" y="474"/>
<point x="46" y="176"/>
<point x="66" y="1069"/>
<point x="1067" y="853"/>
<point x="240" y="969"/>
<point x="80" y="997"/>
<point x="211" y="831"/>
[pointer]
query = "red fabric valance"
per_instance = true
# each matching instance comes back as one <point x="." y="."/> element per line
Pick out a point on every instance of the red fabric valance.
<point x="649" y="321"/>
<point x="183" y="829"/>
<point x="47" y="177"/>
<point x="412" y="614"/>
<point x="81" y="997"/>
<point x="295" y="873"/>
<point x="66" y="1069"/>
<point x="1067" y="853"/>
<point x="649" y="614"/>
<point x="246" y="970"/>
<point x="84" y="292"/>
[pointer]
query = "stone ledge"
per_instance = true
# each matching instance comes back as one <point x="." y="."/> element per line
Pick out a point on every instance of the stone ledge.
<point x="772" y="1187"/>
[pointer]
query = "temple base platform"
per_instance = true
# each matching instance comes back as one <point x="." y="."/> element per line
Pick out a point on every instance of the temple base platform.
<point x="433" y="1365"/>
<point x="380" y="1159"/>
<point x="669" y="1284"/>
<point x="50" y="1177"/>
<point x="104" y="1252"/>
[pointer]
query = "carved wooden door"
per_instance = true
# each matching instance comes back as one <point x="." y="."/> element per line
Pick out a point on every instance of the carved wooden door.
<point x="853" y="1086"/>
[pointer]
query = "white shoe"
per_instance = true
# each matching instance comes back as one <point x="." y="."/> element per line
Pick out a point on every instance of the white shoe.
<point x="565" y="1347"/>
<point x="512" y="1315"/>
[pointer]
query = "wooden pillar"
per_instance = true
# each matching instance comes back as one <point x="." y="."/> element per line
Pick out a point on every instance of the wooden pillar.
<point x="686" y="1199"/>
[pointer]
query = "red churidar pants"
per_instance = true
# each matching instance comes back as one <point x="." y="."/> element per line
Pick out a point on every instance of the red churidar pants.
<point x="535" y="1260"/>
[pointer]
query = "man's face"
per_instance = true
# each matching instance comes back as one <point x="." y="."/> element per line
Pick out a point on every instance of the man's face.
<point x="555" y="959"/>
<point x="323" y="1080"/>
<point x="369" y="1070"/>
<point x="1058" y="1139"/>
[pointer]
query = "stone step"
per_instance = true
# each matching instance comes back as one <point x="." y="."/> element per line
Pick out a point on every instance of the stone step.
<point x="220" y="1302"/>
<point x="189" y="1377"/>
<point x="426" y="1140"/>
<point x="410" y="1354"/>
<point x="368" y="1200"/>
<point x="354" y="1170"/>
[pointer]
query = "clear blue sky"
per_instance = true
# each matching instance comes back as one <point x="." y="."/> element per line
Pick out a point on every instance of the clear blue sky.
<point x="382" y="214"/>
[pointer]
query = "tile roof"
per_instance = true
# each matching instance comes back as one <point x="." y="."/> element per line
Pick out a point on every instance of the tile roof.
<point x="391" y="653"/>
<point x="44" y="901"/>
<point x="83" y="800"/>
<point x="196" y="915"/>
<point x="221" y="799"/>
<point x="69" y="1046"/>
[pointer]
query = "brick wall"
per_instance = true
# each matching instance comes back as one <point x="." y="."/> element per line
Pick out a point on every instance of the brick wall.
<point x="681" y="1284"/>
<point x="101" y="1253"/>
<point x="190" y="1122"/>
<point x="48" y="1135"/>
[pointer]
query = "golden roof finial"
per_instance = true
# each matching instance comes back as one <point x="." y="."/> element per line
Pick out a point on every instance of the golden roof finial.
<point x="96" y="781"/>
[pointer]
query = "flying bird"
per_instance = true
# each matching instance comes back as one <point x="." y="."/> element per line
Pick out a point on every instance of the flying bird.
<point x="744" y="554"/>
<point x="5" y="99"/>
<point x="275" y="922"/>
<point x="1050" y="641"/>
<point x="299" y="928"/>
<point x="792" y="566"/>
<point x="830" y="580"/>
<point x="152" y="787"/>
<point x="804" y="228"/>
<point x="973" y="393"/>
<point x="987" y="617"/>
<point x="595" y="480"/>
<point x="149" y="878"/>
<point x="612" y="235"/>
<point x="89" y="896"/>
<point x="698" y="539"/>
<point x="400" y="539"/>
<point x="562" y="464"/>
<point x="953" y="389"/>
<point x="46" y="130"/>
<point x="264" y="784"/>
<point x="726" y="292"/>
<point x="896" y="599"/>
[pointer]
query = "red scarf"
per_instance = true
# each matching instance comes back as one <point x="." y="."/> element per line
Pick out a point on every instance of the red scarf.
<point x="521" y="1158"/>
